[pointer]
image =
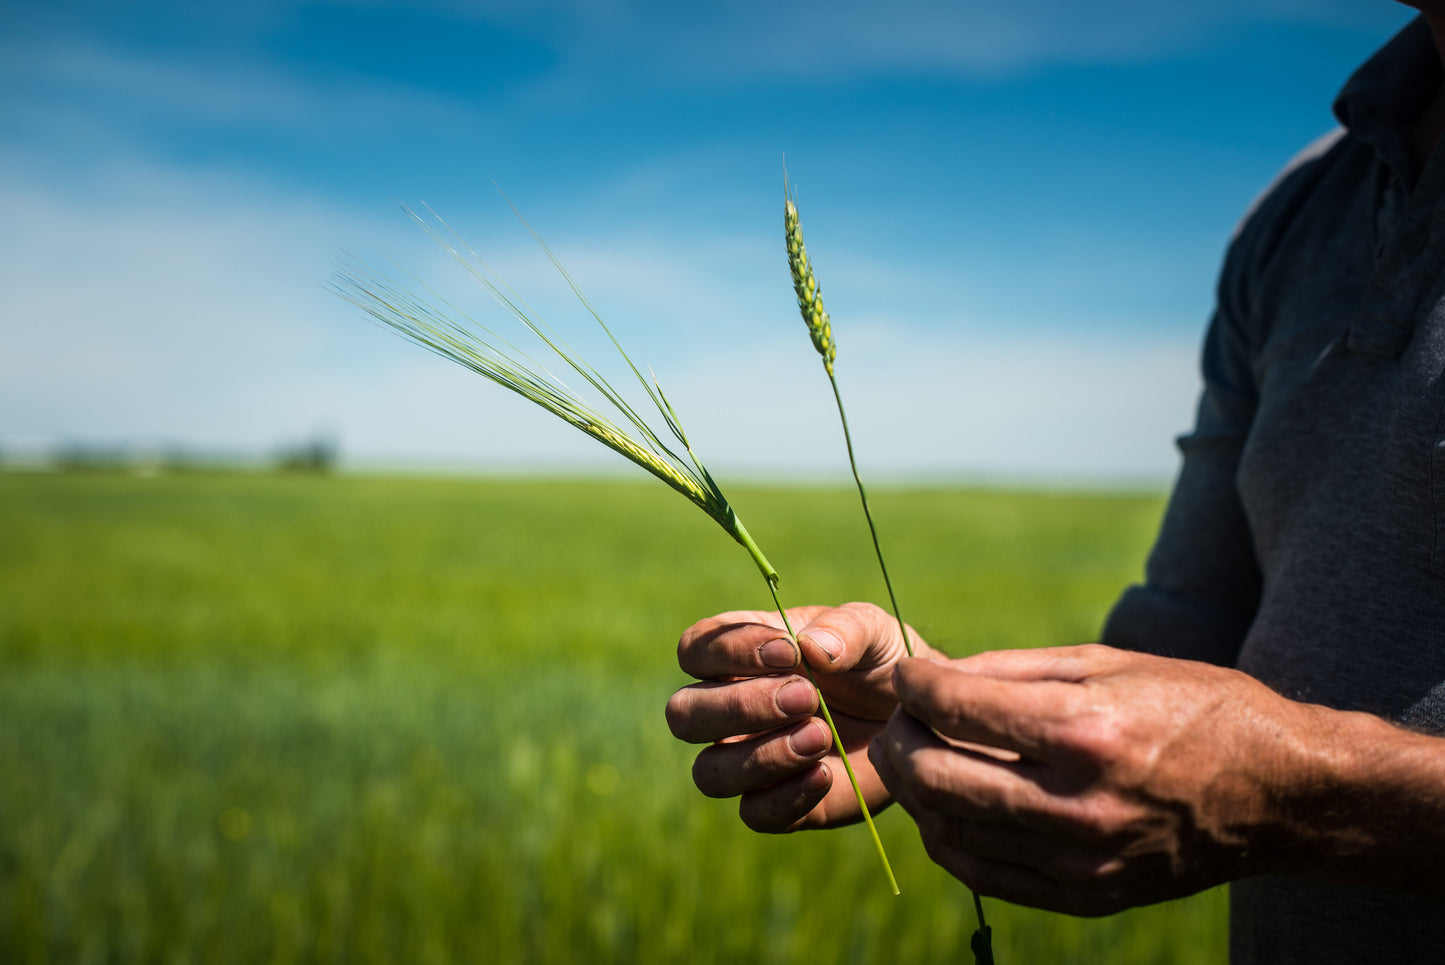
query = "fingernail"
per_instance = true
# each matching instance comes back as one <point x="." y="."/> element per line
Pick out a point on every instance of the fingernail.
<point x="818" y="780"/>
<point x="826" y="641"/>
<point x="779" y="654"/>
<point x="810" y="741"/>
<point x="796" y="697"/>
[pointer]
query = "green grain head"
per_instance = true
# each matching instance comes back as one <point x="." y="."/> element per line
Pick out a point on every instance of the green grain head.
<point x="805" y="284"/>
<point x="711" y="502"/>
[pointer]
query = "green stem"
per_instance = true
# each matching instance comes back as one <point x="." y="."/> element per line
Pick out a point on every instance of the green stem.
<point x="741" y="534"/>
<point x="771" y="576"/>
<point x="982" y="944"/>
<point x="868" y="515"/>
<point x="842" y="752"/>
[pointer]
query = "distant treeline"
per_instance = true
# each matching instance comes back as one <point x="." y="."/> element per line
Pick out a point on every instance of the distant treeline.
<point x="318" y="454"/>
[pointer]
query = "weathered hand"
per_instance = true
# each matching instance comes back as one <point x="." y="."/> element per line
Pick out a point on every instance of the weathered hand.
<point x="759" y="714"/>
<point x="1088" y="779"/>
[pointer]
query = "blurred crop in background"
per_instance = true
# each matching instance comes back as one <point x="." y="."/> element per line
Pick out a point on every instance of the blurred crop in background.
<point x="301" y="718"/>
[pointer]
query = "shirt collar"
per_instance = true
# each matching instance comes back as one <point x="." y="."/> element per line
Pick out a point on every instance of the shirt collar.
<point x="1381" y="101"/>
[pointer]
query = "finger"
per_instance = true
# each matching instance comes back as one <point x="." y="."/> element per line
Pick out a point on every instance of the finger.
<point x="1017" y="715"/>
<point x="1030" y="869"/>
<point x="997" y="879"/>
<point x="716" y="710"/>
<point x="795" y="803"/>
<point x="1011" y="861"/>
<point x="740" y="643"/>
<point x="1075" y="664"/>
<point x="727" y="770"/>
<point x="786" y="806"/>
<point x="1068" y="861"/>
<point x="926" y="775"/>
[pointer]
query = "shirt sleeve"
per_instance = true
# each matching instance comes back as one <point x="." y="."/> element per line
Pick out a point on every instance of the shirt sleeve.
<point x="1202" y="581"/>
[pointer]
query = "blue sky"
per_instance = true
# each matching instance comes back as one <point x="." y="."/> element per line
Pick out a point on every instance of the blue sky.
<point x="1016" y="208"/>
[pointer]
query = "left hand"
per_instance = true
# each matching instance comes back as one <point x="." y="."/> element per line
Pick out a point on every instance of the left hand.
<point x="1086" y="779"/>
<point x="760" y="718"/>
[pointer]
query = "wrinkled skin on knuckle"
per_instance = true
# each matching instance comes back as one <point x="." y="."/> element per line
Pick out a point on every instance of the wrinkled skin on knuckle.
<point x="698" y="635"/>
<point x="1097" y="733"/>
<point x="1097" y="652"/>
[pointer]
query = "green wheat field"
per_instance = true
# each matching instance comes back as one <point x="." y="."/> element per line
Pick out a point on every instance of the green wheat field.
<point x="270" y="718"/>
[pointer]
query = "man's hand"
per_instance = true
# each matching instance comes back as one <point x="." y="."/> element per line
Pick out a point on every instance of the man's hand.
<point x="1087" y="779"/>
<point x="759" y="714"/>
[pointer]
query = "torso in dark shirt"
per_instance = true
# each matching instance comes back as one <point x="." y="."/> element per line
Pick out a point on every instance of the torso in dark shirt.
<point x="1305" y="541"/>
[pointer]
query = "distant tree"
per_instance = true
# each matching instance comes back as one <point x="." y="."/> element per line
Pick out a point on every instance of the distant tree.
<point x="317" y="455"/>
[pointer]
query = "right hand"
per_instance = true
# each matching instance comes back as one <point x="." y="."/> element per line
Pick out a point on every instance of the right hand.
<point x="756" y="708"/>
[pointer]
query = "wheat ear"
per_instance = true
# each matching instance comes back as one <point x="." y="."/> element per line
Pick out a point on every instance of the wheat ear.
<point x="820" y="329"/>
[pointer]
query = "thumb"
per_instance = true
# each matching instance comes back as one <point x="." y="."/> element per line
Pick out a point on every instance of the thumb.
<point x="854" y="636"/>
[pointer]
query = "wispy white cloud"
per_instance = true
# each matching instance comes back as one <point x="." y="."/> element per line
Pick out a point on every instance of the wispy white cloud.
<point x="93" y="82"/>
<point x="189" y="307"/>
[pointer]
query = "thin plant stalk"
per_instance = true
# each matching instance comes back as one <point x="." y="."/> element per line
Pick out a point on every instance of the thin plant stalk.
<point x="820" y="329"/>
<point x="452" y="335"/>
<point x="842" y="751"/>
<point x="868" y="515"/>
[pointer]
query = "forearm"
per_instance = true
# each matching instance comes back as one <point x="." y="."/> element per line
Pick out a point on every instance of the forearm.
<point x="1366" y="804"/>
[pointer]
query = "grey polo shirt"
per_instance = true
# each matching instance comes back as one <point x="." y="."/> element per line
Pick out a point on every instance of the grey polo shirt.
<point x="1305" y="539"/>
